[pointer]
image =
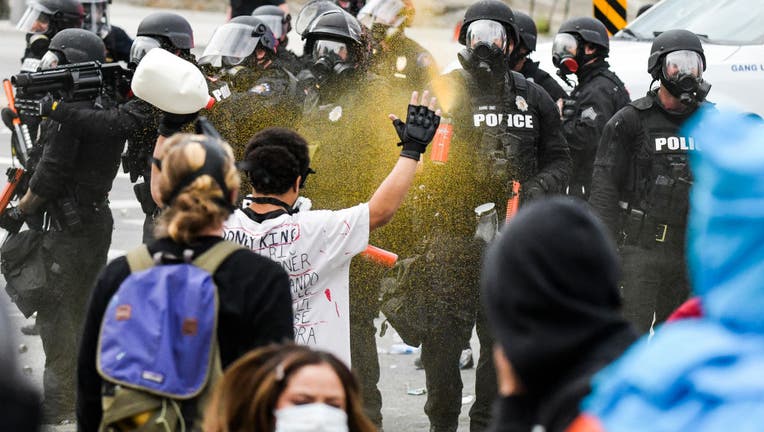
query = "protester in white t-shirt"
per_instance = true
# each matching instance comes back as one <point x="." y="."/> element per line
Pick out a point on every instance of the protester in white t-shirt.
<point x="315" y="247"/>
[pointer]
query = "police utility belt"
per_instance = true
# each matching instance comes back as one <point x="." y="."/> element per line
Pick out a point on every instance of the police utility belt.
<point x="642" y="230"/>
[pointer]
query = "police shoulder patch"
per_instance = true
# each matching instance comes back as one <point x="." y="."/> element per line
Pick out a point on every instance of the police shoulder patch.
<point x="424" y="60"/>
<point x="262" y="89"/>
<point x="589" y="114"/>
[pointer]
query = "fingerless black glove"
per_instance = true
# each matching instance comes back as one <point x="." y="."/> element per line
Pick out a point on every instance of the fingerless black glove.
<point x="12" y="219"/>
<point x="417" y="132"/>
<point x="170" y="123"/>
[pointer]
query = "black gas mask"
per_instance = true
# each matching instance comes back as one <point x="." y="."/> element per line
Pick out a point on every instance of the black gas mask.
<point x="332" y="61"/>
<point x="682" y="75"/>
<point x="485" y="54"/>
<point x="568" y="54"/>
<point x="38" y="44"/>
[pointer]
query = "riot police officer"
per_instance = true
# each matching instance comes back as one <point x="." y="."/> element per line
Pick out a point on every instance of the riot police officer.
<point x="346" y="108"/>
<point x="280" y="23"/>
<point x="395" y="57"/>
<point x="263" y="92"/>
<point x="519" y="61"/>
<point x="73" y="169"/>
<point x="97" y="19"/>
<point x="41" y="21"/>
<point x="642" y="178"/>
<point x="580" y="47"/>
<point x="506" y="129"/>
<point x="171" y="32"/>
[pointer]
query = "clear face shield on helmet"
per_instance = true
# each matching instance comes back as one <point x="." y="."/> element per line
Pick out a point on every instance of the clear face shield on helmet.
<point x="36" y="19"/>
<point x="230" y="45"/>
<point x="142" y="45"/>
<point x="388" y="13"/>
<point x="312" y="10"/>
<point x="682" y="74"/>
<point x="96" y="17"/>
<point x="564" y="50"/>
<point x="51" y="60"/>
<point x="276" y="24"/>
<point x="489" y="33"/>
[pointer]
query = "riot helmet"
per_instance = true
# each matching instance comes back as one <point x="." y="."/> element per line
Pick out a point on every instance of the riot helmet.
<point x="335" y="41"/>
<point x="527" y="33"/>
<point x="568" y="52"/>
<point x="351" y="6"/>
<point x="278" y="21"/>
<point x="236" y="41"/>
<point x="677" y="60"/>
<point x="51" y="16"/>
<point x="386" y="18"/>
<point x="164" y="30"/>
<point x="44" y="18"/>
<point x="492" y="10"/>
<point x="73" y="46"/>
<point x="96" y="17"/>
<point x="312" y="10"/>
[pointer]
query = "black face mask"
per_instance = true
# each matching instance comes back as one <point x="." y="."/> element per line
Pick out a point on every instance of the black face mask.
<point x="484" y="60"/>
<point x="516" y="57"/>
<point x="689" y="89"/>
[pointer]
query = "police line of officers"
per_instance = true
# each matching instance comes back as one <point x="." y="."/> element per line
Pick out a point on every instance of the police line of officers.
<point x="512" y="122"/>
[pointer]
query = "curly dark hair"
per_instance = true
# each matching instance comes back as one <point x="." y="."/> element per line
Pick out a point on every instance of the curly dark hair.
<point x="274" y="158"/>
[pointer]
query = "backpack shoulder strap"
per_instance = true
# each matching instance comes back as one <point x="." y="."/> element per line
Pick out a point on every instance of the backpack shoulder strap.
<point x="139" y="259"/>
<point x="211" y="260"/>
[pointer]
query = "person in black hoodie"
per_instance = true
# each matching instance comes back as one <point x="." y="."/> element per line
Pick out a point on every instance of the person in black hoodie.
<point x="550" y="289"/>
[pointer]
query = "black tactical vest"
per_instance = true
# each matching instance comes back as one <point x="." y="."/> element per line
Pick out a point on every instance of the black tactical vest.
<point x="507" y="128"/>
<point x="662" y="176"/>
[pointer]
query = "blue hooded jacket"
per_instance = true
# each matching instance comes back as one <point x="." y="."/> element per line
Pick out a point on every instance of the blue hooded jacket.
<point x="705" y="374"/>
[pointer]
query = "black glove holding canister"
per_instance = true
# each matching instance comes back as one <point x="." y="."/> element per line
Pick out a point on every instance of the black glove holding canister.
<point x="12" y="219"/>
<point x="421" y="124"/>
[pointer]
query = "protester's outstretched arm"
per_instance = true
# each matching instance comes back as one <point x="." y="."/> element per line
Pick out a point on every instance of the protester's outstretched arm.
<point x="416" y="133"/>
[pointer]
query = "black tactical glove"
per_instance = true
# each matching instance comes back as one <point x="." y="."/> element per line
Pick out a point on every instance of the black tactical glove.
<point x="12" y="219"/>
<point x="532" y="190"/>
<point x="37" y="107"/>
<point x="171" y="124"/>
<point x="568" y="109"/>
<point x="417" y="132"/>
<point x="8" y="115"/>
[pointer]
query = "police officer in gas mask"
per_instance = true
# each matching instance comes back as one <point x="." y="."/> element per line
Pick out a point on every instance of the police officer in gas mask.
<point x="97" y="20"/>
<point x="280" y="23"/>
<point x="505" y="129"/>
<point x="580" y="47"/>
<point x="395" y="57"/>
<point x="346" y="110"/>
<point x="520" y="62"/>
<point x="74" y="164"/>
<point x="642" y="179"/>
<point x="243" y="53"/>
<point x="41" y="21"/>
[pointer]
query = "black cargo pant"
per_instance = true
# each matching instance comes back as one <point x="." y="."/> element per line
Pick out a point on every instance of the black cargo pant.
<point x="74" y="260"/>
<point x="654" y="277"/>
<point x="451" y="269"/>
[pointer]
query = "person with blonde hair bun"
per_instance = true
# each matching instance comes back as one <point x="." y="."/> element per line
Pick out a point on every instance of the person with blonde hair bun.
<point x="197" y="183"/>
<point x="287" y="388"/>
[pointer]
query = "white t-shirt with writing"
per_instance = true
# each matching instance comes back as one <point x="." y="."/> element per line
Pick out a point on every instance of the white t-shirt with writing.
<point x="315" y="248"/>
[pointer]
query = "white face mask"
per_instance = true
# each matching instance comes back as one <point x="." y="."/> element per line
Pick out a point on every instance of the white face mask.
<point x="315" y="417"/>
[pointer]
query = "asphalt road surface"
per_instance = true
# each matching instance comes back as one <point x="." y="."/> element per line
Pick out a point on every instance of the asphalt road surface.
<point x="401" y="383"/>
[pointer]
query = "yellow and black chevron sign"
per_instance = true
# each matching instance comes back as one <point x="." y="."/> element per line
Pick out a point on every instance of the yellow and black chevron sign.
<point x="612" y="13"/>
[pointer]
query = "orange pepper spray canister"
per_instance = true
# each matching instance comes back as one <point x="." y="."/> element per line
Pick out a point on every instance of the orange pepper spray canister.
<point x="442" y="141"/>
<point x="380" y="256"/>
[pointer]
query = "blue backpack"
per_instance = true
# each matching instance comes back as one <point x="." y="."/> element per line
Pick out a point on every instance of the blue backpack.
<point x="157" y="349"/>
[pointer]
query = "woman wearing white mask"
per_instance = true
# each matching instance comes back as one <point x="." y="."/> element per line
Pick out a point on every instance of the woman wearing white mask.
<point x="287" y="388"/>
